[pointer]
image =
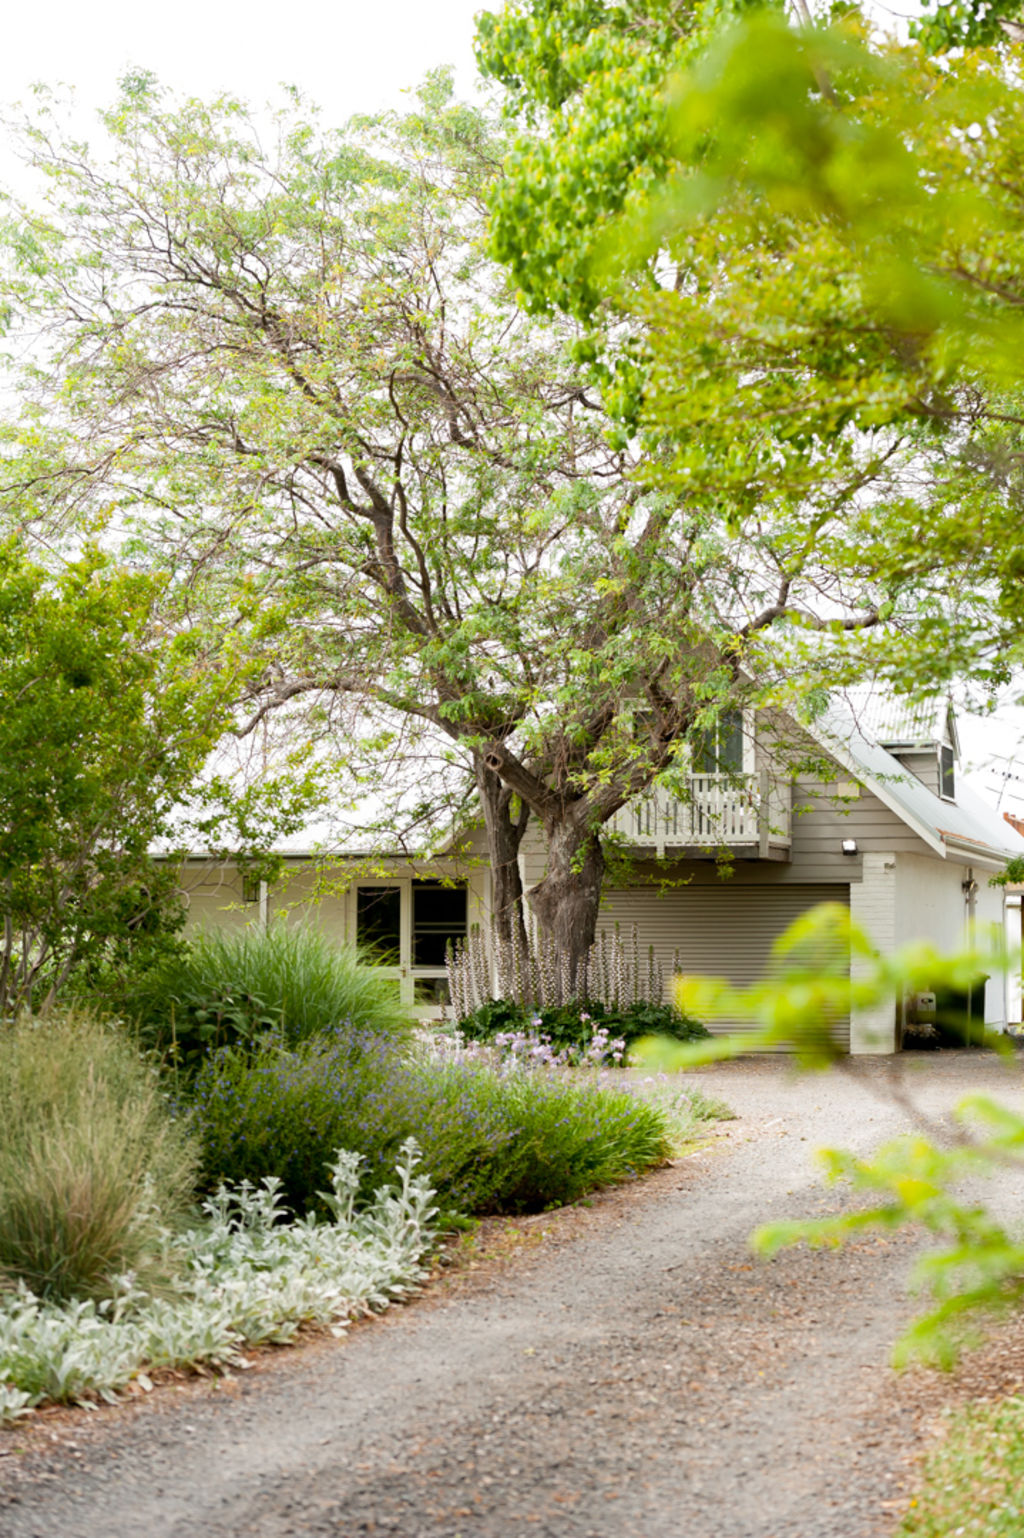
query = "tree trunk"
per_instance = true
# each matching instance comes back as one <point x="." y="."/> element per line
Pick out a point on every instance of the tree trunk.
<point x="566" y="901"/>
<point x="504" y="836"/>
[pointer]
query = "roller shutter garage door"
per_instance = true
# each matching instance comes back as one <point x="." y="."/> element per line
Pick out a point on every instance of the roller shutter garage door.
<point x="726" y="930"/>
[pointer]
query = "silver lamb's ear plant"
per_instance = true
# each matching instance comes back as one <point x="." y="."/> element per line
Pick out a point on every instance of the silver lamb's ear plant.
<point x="340" y="1201"/>
<point x="248" y="1278"/>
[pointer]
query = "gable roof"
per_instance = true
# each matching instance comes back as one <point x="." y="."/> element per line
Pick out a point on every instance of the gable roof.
<point x="967" y="825"/>
<point x="901" y="725"/>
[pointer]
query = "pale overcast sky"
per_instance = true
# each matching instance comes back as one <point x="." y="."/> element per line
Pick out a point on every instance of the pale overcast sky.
<point x="348" y="57"/>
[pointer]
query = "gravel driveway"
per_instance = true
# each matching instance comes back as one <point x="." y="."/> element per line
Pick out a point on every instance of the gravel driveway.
<point x="628" y="1370"/>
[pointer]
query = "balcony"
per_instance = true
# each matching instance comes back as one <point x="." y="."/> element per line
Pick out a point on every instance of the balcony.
<point x="741" y="811"/>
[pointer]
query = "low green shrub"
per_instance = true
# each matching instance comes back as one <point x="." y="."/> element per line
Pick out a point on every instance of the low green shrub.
<point x="92" y="1166"/>
<point x="229" y="989"/>
<point x="491" y="1141"/>
<point x="573" y="1025"/>
<point x="686" y="1108"/>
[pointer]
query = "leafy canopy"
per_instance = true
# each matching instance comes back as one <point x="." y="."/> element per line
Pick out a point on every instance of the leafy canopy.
<point x="797" y="248"/>
<point x="109" y="711"/>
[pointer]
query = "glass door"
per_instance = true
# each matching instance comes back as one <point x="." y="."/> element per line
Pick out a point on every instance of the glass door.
<point x="380" y="930"/>
<point x="406" y="926"/>
<point x="438" y="920"/>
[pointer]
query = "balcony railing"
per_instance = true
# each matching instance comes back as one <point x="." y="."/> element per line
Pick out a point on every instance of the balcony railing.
<point x="738" y="811"/>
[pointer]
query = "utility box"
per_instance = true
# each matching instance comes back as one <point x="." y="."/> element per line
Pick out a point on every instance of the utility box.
<point x="922" y="1009"/>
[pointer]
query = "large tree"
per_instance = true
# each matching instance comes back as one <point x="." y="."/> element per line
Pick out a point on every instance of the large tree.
<point x="283" y="360"/>
<point x="811" y="235"/>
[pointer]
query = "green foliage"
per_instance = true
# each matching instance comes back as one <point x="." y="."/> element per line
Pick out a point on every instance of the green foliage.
<point x="944" y="25"/>
<point x="801" y="248"/>
<point x="686" y="1108"/>
<point x="223" y="988"/>
<point x="93" y="1169"/>
<point x="974" y="1476"/>
<point x="981" y="1268"/>
<point x="1013" y="875"/>
<point x="104" y="726"/>
<point x="246" y="1276"/>
<point x="574" y="1025"/>
<point x="646" y="1019"/>
<point x="490" y="1142"/>
<point x="492" y="1018"/>
<point x="403" y="496"/>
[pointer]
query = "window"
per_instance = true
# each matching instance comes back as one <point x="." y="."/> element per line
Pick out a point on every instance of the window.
<point x="947" y="773"/>
<point x="431" y="990"/>
<point x="406" y="926"/>
<point x="438" y="916"/>
<point x="721" y="750"/>
<point x="250" y="889"/>
<point x="379" y="922"/>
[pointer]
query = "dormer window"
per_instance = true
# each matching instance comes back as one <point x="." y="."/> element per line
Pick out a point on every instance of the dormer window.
<point x="947" y="773"/>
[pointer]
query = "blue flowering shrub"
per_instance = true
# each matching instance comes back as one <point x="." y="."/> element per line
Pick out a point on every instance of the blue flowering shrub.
<point x="492" y="1140"/>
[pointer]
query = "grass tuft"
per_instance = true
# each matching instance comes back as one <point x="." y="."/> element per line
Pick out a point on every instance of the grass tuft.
<point x="225" y="989"/>
<point x="92" y="1166"/>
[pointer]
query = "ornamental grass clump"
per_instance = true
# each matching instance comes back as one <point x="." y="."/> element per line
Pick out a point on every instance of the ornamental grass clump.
<point x="248" y="1275"/>
<point x="93" y="1169"/>
<point x="229" y="989"/>
<point x="492" y="1140"/>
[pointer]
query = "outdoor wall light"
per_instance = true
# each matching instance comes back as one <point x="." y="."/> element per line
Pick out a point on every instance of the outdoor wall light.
<point x="850" y="846"/>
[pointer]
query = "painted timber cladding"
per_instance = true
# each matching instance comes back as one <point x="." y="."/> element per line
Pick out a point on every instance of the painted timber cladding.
<point x="924" y="767"/>
<point x="825" y="815"/>
<point x="725" y="929"/>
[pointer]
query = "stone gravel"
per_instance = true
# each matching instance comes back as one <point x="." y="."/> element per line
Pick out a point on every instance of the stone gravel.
<point x="626" y="1370"/>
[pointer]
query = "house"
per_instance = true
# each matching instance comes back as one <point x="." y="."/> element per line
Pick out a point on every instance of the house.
<point x="877" y="816"/>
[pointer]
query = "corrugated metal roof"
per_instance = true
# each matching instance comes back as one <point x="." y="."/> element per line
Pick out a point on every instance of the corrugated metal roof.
<point x="900" y="723"/>
<point x="940" y="823"/>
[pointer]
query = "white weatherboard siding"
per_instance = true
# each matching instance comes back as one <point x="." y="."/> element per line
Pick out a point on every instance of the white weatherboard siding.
<point x="989" y="920"/>
<point x="1013" y="946"/>
<point x="873" y="908"/>
<point x="722" y="930"/>
<point x="214" y="897"/>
